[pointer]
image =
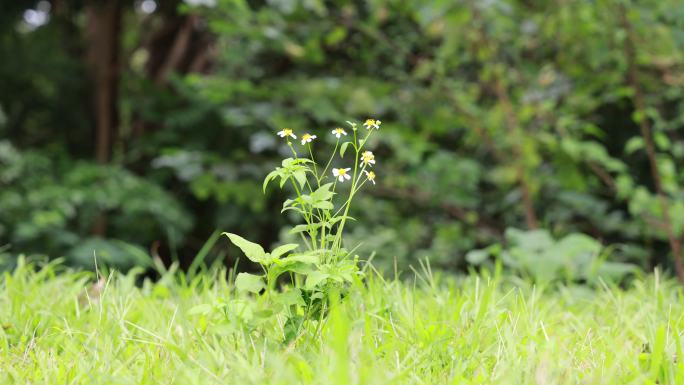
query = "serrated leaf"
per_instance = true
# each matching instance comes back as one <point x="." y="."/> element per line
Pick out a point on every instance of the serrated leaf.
<point x="284" y="249"/>
<point x="249" y="283"/>
<point x="253" y="251"/>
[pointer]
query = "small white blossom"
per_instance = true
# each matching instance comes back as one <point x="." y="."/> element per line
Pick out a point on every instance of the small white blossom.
<point x="307" y="138"/>
<point x="367" y="158"/>
<point x="370" y="175"/>
<point x="338" y="132"/>
<point x="341" y="173"/>
<point x="372" y="123"/>
<point x="285" y="132"/>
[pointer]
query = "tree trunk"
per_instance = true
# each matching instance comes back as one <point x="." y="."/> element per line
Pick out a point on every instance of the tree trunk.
<point x="104" y="40"/>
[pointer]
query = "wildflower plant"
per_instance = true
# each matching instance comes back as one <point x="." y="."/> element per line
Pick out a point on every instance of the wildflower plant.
<point x="320" y="262"/>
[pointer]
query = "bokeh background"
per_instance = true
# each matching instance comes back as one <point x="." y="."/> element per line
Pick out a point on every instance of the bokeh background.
<point x="548" y="134"/>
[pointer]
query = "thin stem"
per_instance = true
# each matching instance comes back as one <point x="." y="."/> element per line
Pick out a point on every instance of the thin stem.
<point x="325" y="170"/>
<point x="327" y="219"/>
<point x="313" y="159"/>
<point x="309" y="220"/>
<point x="337" y="245"/>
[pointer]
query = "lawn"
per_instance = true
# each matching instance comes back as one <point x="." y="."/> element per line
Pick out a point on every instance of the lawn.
<point x="62" y="327"/>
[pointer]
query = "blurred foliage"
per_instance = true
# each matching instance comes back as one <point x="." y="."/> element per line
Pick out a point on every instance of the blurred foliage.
<point x="496" y="114"/>
<point x="575" y="257"/>
<point x="51" y="208"/>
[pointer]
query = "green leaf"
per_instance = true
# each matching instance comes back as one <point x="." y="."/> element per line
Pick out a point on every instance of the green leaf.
<point x="253" y="251"/>
<point x="323" y="205"/>
<point x="634" y="144"/>
<point x="272" y="175"/>
<point x="338" y="218"/>
<point x="343" y="148"/>
<point x="203" y="309"/>
<point x="302" y="228"/>
<point x="299" y="229"/>
<point x="280" y="267"/>
<point x="292" y="297"/>
<point x="662" y="141"/>
<point x="249" y="282"/>
<point x="300" y="176"/>
<point x="477" y="257"/>
<point x="284" y="249"/>
<point x="303" y="258"/>
<point x="314" y="278"/>
<point x="323" y="193"/>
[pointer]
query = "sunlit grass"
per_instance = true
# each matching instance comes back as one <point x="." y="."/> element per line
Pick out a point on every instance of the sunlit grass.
<point x="64" y="329"/>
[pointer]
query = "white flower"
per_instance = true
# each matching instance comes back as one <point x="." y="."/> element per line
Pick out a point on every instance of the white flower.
<point x="338" y="132"/>
<point x="341" y="173"/>
<point x="285" y="132"/>
<point x="367" y="158"/>
<point x="370" y="175"/>
<point x="307" y="138"/>
<point x="372" y="123"/>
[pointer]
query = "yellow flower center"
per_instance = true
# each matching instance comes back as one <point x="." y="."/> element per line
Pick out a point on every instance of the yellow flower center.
<point x="339" y="131"/>
<point x="370" y="122"/>
<point x="371" y="175"/>
<point x="287" y="131"/>
<point x="306" y="137"/>
<point x="342" y="171"/>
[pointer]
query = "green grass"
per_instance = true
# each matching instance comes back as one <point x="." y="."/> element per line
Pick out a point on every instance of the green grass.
<point x="441" y="330"/>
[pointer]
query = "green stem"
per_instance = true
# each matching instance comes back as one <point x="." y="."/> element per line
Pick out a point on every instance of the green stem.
<point x="313" y="159"/>
<point x="312" y="232"/>
<point x="325" y="170"/>
<point x="337" y="245"/>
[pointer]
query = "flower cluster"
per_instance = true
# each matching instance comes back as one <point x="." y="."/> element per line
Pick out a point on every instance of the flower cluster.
<point x="367" y="158"/>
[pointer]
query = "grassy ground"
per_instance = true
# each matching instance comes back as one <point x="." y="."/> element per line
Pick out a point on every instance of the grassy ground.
<point x="472" y="330"/>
